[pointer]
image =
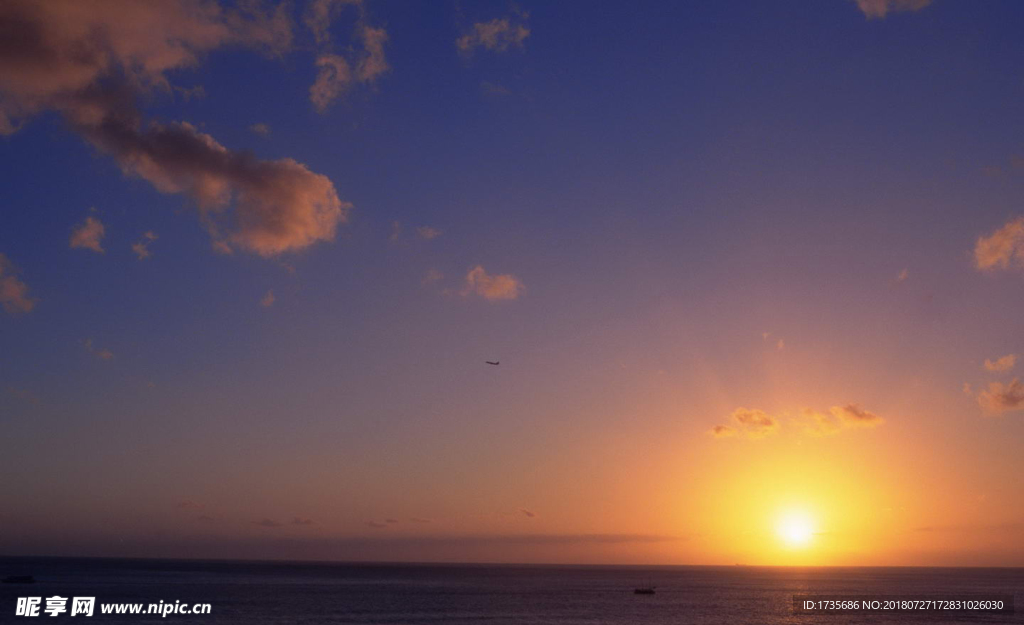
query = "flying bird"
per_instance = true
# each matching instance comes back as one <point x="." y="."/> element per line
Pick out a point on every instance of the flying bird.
<point x="493" y="363"/>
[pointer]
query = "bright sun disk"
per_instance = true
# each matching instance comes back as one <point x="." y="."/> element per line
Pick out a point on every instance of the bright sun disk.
<point x="795" y="529"/>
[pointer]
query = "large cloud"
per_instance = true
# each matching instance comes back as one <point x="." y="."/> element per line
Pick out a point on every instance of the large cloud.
<point x="14" y="295"/>
<point x="1003" y="248"/>
<point x="880" y="8"/>
<point x="91" y="60"/>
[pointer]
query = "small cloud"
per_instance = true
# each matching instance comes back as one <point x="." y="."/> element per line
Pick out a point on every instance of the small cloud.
<point x="493" y="89"/>
<point x="337" y="74"/>
<point x="528" y="513"/>
<point x="433" y="275"/>
<point x="270" y="523"/>
<point x="1001" y="249"/>
<point x="396" y="231"/>
<point x="427" y="232"/>
<point x="141" y="247"/>
<point x="101" y="353"/>
<point x="260" y="129"/>
<point x="999" y="397"/>
<point x="881" y="8"/>
<point x="497" y="35"/>
<point x="88" y="235"/>
<point x="268" y="300"/>
<point x="780" y="345"/>
<point x="818" y="424"/>
<point x="854" y="415"/>
<point x="377" y="524"/>
<point x="13" y="292"/>
<point x="301" y="521"/>
<point x="902" y="276"/>
<point x="1001" y="364"/>
<point x="723" y="431"/>
<point x="391" y="521"/>
<point x="765" y="335"/>
<point x="749" y="423"/>
<point x="188" y="504"/>
<point x="417" y="519"/>
<point x="967" y="388"/>
<point x="492" y="287"/>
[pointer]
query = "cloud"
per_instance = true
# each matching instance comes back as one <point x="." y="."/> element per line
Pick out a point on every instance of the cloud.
<point x="337" y="73"/>
<point x="14" y="295"/>
<point x="1001" y="249"/>
<point x="819" y="424"/>
<point x="391" y="521"/>
<point x="260" y="129"/>
<point x="999" y="397"/>
<point x="433" y="275"/>
<point x="528" y="513"/>
<point x="780" y="345"/>
<point x="88" y="235"/>
<point x="141" y="247"/>
<point x="92" y="62"/>
<point x="101" y="353"/>
<point x="396" y="231"/>
<point x="428" y="232"/>
<point x="854" y="415"/>
<point x="417" y="519"/>
<point x="377" y="524"/>
<point x="755" y="423"/>
<point x="270" y="523"/>
<point x="723" y="431"/>
<point x="1001" y="364"/>
<point x="902" y="276"/>
<point x="301" y="521"/>
<point x="268" y="300"/>
<point x="497" y="35"/>
<point x="880" y="8"/>
<point x="492" y="287"/>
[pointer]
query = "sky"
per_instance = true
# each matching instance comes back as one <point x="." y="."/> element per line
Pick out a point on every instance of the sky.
<point x="753" y="272"/>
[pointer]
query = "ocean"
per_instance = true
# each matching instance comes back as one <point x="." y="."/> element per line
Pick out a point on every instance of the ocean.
<point x="409" y="594"/>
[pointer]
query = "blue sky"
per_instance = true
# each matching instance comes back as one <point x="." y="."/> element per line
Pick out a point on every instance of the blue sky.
<point x="677" y="210"/>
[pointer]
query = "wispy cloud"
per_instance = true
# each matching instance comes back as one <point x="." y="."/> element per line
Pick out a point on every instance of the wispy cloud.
<point x="529" y="513"/>
<point x="1004" y="363"/>
<point x="497" y="35"/>
<point x="433" y="275"/>
<point x="881" y="8"/>
<point x="854" y="415"/>
<point x="14" y="295"/>
<point x="428" y="232"/>
<point x="337" y="73"/>
<point x="302" y="521"/>
<point x="377" y="524"/>
<point x="268" y="523"/>
<point x="88" y="235"/>
<point x="268" y="300"/>
<point x="141" y="247"/>
<point x="492" y="287"/>
<point x="260" y="129"/>
<point x="100" y="352"/>
<point x="1001" y="249"/>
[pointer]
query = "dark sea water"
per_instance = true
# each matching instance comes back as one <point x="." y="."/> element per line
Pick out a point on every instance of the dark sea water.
<point x="293" y="593"/>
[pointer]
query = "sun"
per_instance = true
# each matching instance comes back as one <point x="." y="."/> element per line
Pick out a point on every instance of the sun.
<point x="795" y="529"/>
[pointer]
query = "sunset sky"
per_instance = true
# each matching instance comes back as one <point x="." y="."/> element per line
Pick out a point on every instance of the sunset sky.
<point x="754" y="272"/>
